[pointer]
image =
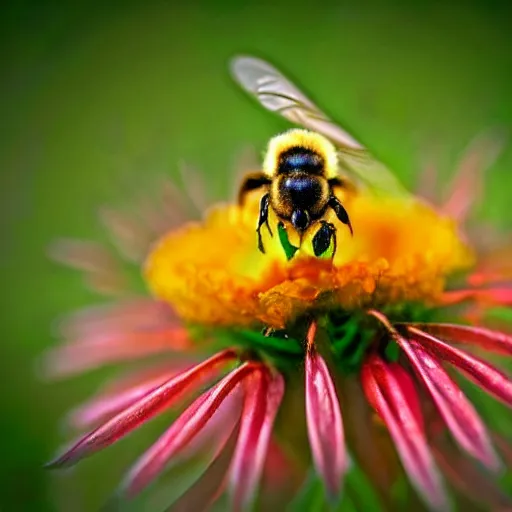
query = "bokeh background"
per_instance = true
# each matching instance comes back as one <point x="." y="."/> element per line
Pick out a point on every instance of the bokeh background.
<point x="92" y="92"/>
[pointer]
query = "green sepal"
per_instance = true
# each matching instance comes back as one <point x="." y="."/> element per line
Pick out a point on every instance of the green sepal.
<point x="500" y="313"/>
<point x="357" y="494"/>
<point x="274" y="343"/>
<point x="362" y="494"/>
<point x="350" y="339"/>
<point x="311" y="496"/>
<point x="392" y="351"/>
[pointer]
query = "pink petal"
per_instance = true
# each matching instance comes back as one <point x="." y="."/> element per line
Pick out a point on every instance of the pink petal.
<point x="114" y="332"/>
<point x="218" y="429"/>
<point x="133" y="314"/>
<point x="470" y="481"/>
<point x="151" y="214"/>
<point x="384" y="388"/>
<point x="99" y="350"/>
<point x="495" y="265"/>
<point x="130" y="235"/>
<point x="467" y="185"/>
<point x="323" y="416"/>
<point x="498" y="296"/>
<point x="143" y="409"/>
<point x="263" y="397"/>
<point x="457" y="411"/>
<point x="488" y="339"/>
<point x="487" y="277"/>
<point x="482" y="373"/>
<point x="428" y="180"/>
<point x="126" y="392"/>
<point x="103" y="272"/>
<point x="456" y="296"/>
<point x="278" y="472"/>
<point x="504" y="448"/>
<point x="174" y="208"/>
<point x="195" y="187"/>
<point x="183" y="430"/>
<point x="209" y="486"/>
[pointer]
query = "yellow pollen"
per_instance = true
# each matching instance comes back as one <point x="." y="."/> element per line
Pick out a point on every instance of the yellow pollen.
<point x="212" y="273"/>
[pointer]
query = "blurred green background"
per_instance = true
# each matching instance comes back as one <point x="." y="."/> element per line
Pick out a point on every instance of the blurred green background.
<point x="91" y="92"/>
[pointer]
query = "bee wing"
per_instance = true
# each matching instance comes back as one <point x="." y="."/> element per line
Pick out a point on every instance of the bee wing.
<point x="277" y="94"/>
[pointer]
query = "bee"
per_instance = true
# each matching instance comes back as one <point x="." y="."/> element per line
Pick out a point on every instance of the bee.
<point x="299" y="176"/>
<point x="302" y="168"/>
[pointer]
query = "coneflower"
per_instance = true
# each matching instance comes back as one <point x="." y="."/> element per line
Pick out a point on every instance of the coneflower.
<point x="373" y="339"/>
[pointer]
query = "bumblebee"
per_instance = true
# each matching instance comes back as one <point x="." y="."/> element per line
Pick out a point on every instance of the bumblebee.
<point x="303" y="167"/>
<point x="300" y="172"/>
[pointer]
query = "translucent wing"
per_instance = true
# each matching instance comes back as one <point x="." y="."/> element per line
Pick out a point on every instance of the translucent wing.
<point x="277" y="94"/>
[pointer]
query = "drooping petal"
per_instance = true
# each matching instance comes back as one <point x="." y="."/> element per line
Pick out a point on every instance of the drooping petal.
<point x="495" y="265"/>
<point x="132" y="328"/>
<point x="167" y="212"/>
<point x="127" y="315"/>
<point x="130" y="235"/>
<point x="488" y="277"/>
<point x="183" y="430"/>
<point x="504" y="447"/>
<point x="120" y="395"/>
<point x="210" y="485"/>
<point x="143" y="409"/>
<point x="459" y="414"/>
<point x="152" y="212"/>
<point x="384" y="387"/>
<point x="102" y="349"/>
<point x="428" y="180"/>
<point x="483" y="374"/>
<point x="470" y="480"/>
<point x="102" y="272"/>
<point x="210" y="439"/>
<point x="488" y="339"/>
<point x="195" y="187"/>
<point x="466" y="186"/>
<point x="279" y="474"/>
<point x="373" y="450"/>
<point x="264" y="393"/>
<point x="323" y="416"/>
<point x="457" y="411"/>
<point x="496" y="296"/>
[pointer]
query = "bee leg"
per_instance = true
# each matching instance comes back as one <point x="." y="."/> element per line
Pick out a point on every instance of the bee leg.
<point x="263" y="219"/>
<point x="252" y="182"/>
<point x="340" y="212"/>
<point x="323" y="237"/>
<point x="336" y="182"/>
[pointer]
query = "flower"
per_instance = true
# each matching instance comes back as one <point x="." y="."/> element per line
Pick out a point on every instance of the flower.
<point x="389" y="260"/>
<point x="354" y="352"/>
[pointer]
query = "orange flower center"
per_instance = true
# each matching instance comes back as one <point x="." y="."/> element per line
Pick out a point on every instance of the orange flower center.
<point x="213" y="273"/>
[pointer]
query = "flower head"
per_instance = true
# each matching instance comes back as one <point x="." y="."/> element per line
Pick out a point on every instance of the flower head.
<point x="213" y="273"/>
<point x="347" y="363"/>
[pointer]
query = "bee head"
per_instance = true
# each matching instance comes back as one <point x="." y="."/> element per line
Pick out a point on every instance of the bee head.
<point x="303" y="150"/>
<point x="298" y="158"/>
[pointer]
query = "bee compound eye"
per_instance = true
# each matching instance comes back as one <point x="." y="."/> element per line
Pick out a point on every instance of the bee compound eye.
<point x="300" y="219"/>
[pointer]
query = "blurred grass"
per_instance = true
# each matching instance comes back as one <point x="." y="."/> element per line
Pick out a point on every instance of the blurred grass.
<point x="91" y="92"/>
